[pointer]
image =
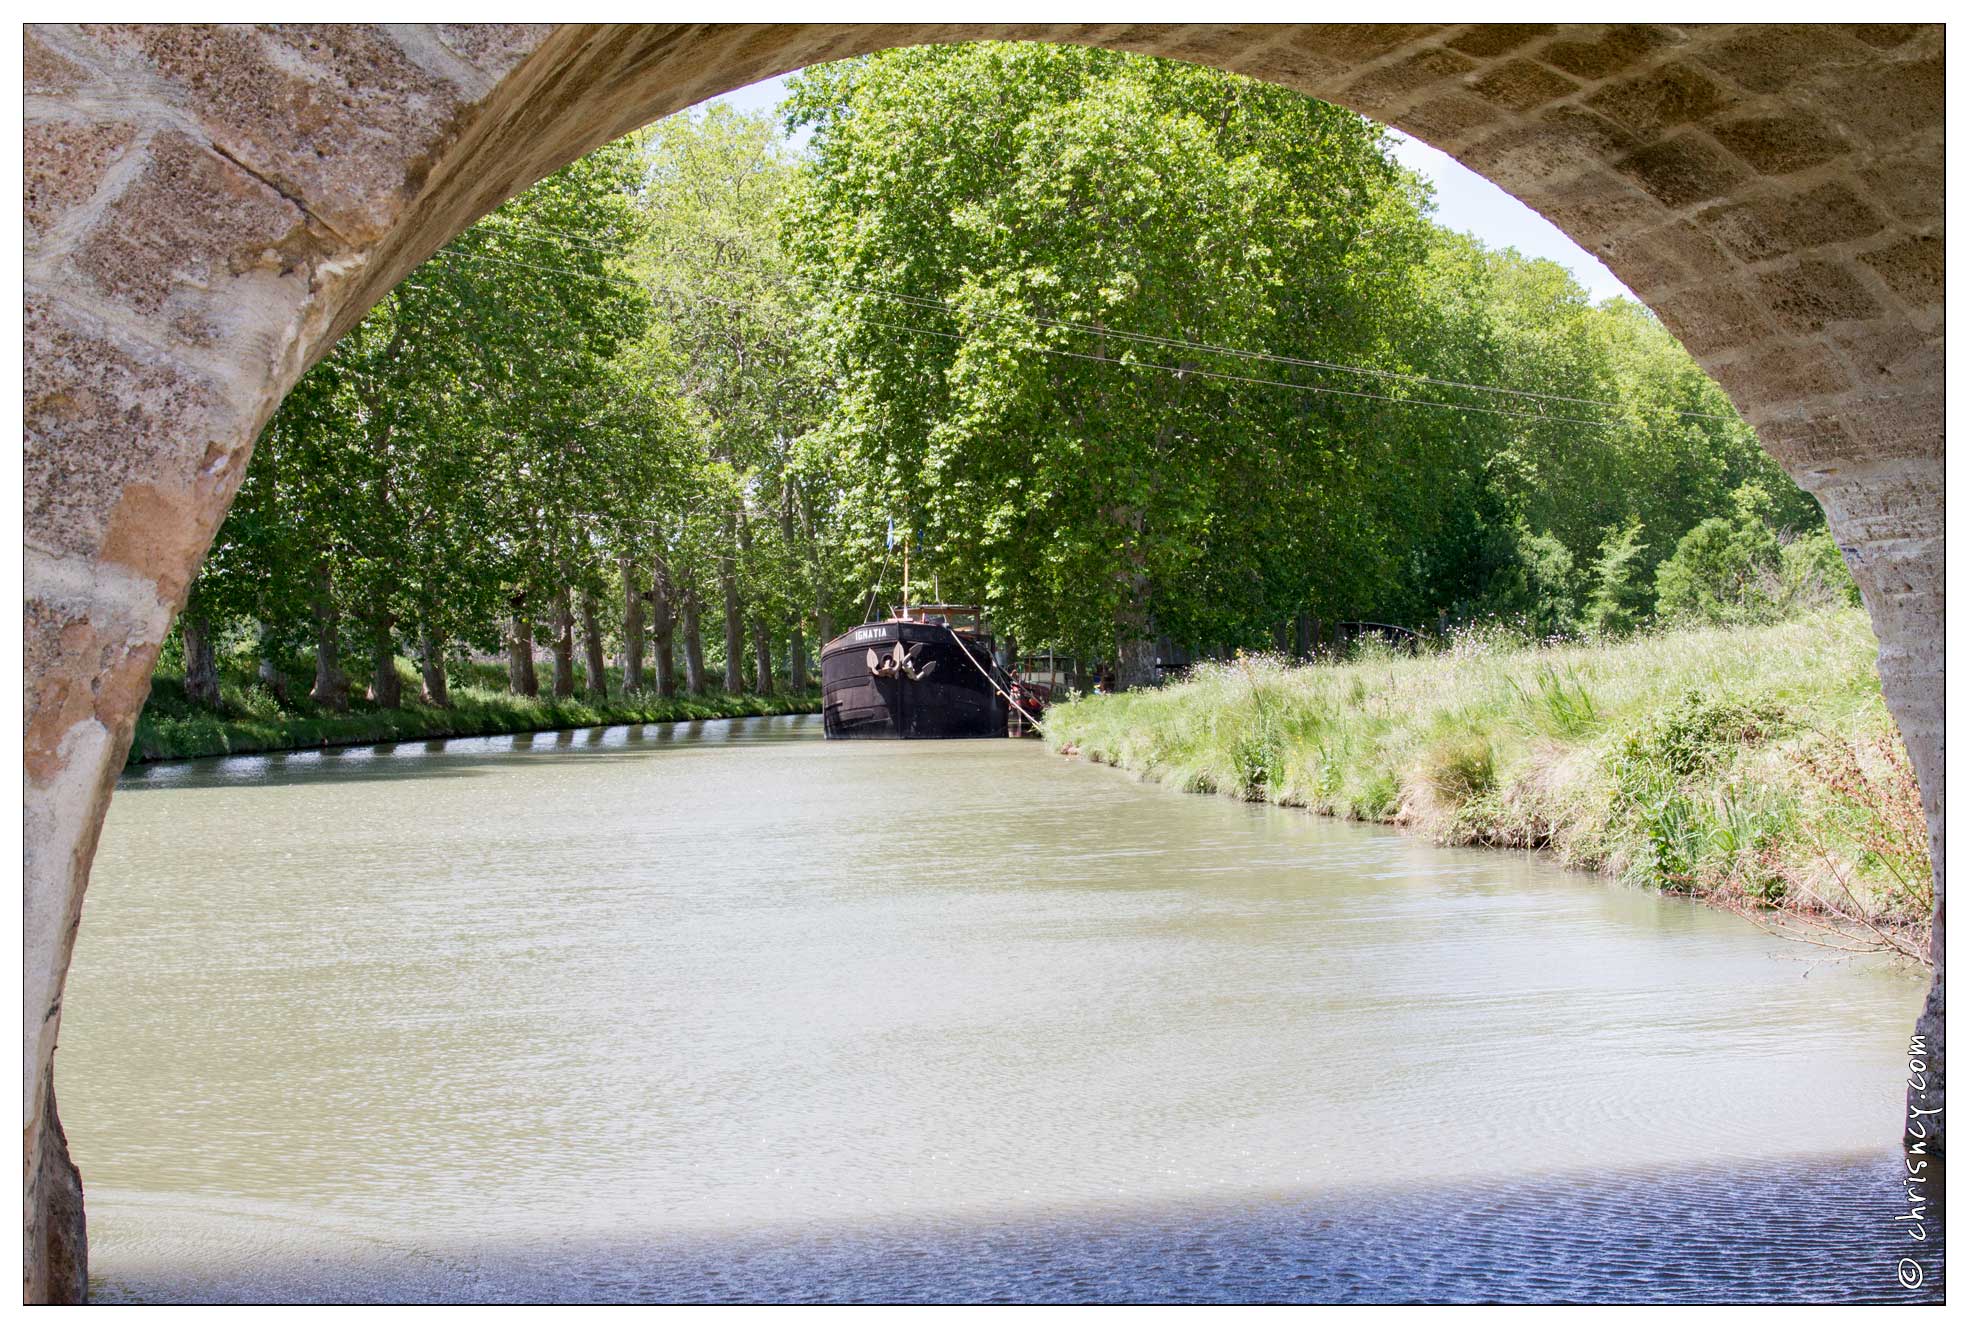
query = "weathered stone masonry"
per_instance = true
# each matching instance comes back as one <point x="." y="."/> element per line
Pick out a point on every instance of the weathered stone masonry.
<point x="207" y="209"/>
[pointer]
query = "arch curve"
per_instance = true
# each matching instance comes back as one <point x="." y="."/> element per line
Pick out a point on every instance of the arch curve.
<point x="208" y="209"/>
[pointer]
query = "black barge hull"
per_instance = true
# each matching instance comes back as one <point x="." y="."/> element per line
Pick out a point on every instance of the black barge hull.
<point x="953" y="699"/>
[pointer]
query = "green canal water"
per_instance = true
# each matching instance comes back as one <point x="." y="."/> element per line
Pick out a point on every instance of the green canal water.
<point x="724" y="1012"/>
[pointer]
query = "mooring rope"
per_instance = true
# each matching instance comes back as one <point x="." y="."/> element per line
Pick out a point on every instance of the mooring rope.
<point x="1030" y="717"/>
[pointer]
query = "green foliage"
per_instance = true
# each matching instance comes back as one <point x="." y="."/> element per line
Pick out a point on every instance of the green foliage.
<point x="1559" y="702"/>
<point x="1620" y="595"/>
<point x="250" y="719"/>
<point x="1129" y="349"/>
<point x="1461" y="768"/>
<point x="1654" y="767"/>
<point x="1815" y="572"/>
<point x="991" y="226"/>
<point x="1723" y="571"/>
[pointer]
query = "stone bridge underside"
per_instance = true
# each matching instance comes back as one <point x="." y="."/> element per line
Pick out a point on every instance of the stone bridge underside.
<point x="208" y="209"/>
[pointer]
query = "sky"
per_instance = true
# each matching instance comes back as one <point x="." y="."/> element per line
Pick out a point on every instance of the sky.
<point x="1465" y="201"/>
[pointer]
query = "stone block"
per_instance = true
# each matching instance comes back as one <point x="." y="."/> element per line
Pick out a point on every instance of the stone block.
<point x="63" y="166"/>
<point x="1393" y="84"/>
<point x="188" y="220"/>
<point x="1559" y="143"/>
<point x="1807" y="295"/>
<point x="1752" y="231"/>
<point x="1357" y="43"/>
<point x="1806" y="443"/>
<point x="1598" y="57"/>
<point x="46" y="72"/>
<point x="1715" y="317"/>
<point x="1449" y="119"/>
<point x="1598" y="207"/>
<point x="1775" y="223"/>
<point x="1485" y="40"/>
<point x="1902" y="423"/>
<point x="278" y="99"/>
<point x="1904" y="97"/>
<point x="101" y="421"/>
<point x="1781" y="142"/>
<point x="1662" y="99"/>
<point x="1771" y="57"/>
<point x="1885" y="36"/>
<point x="1890" y="350"/>
<point x="1226" y="46"/>
<point x="1522" y="84"/>
<point x="1646" y="263"/>
<point x="1912" y="268"/>
<point x="1682" y="170"/>
<point x="1830" y="214"/>
<point x="1693" y="249"/>
<point x="494" y="48"/>
<point x="1909" y="185"/>
<point x="1784" y="373"/>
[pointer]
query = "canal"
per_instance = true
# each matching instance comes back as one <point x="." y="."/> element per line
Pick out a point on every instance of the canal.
<point x="724" y="1012"/>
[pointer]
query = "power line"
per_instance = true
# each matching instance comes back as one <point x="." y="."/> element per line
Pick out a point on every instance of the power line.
<point x="1179" y="371"/>
<point x="1172" y="343"/>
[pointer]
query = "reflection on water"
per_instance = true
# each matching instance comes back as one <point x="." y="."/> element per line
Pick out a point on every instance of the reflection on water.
<point x="715" y="1011"/>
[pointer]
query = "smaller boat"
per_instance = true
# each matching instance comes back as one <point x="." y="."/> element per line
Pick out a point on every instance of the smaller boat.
<point x="926" y="671"/>
<point x="1037" y="680"/>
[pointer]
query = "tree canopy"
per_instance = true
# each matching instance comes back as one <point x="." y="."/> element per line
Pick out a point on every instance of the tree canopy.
<point x="1142" y="356"/>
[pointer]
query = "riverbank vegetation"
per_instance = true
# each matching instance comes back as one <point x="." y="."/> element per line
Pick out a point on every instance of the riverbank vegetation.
<point x="1754" y="766"/>
<point x="250" y="718"/>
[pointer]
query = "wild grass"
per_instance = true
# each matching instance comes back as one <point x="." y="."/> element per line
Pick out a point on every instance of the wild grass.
<point x="251" y="719"/>
<point x="1755" y="767"/>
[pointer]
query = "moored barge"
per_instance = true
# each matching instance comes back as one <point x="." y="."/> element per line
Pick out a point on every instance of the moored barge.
<point x="925" y="672"/>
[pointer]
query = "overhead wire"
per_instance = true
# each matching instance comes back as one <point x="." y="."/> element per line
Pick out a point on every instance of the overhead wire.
<point x="1181" y="371"/>
<point x="553" y="235"/>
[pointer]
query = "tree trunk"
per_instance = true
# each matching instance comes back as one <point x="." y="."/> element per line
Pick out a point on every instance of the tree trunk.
<point x="591" y="638"/>
<point x="563" y="644"/>
<point x="694" y="681"/>
<point x="201" y="664"/>
<point x="1134" y="642"/>
<point x="796" y="641"/>
<point x="762" y="651"/>
<point x="734" y="625"/>
<point x="520" y="676"/>
<point x="430" y="654"/>
<point x="1302" y="627"/>
<point x="632" y="629"/>
<point x="385" y="685"/>
<point x="823" y="618"/>
<point x="271" y="678"/>
<point x="331" y="685"/>
<point x="663" y="628"/>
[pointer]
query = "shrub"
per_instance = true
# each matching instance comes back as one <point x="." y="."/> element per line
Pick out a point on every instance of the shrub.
<point x="1461" y="768"/>
<point x="1619" y="599"/>
<point x="1721" y="572"/>
<point x="1815" y="574"/>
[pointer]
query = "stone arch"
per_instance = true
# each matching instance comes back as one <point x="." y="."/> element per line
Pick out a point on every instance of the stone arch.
<point x="208" y="209"/>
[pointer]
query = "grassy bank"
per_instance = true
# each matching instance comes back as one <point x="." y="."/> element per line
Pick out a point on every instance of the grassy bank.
<point x="249" y="719"/>
<point x="1757" y="767"/>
